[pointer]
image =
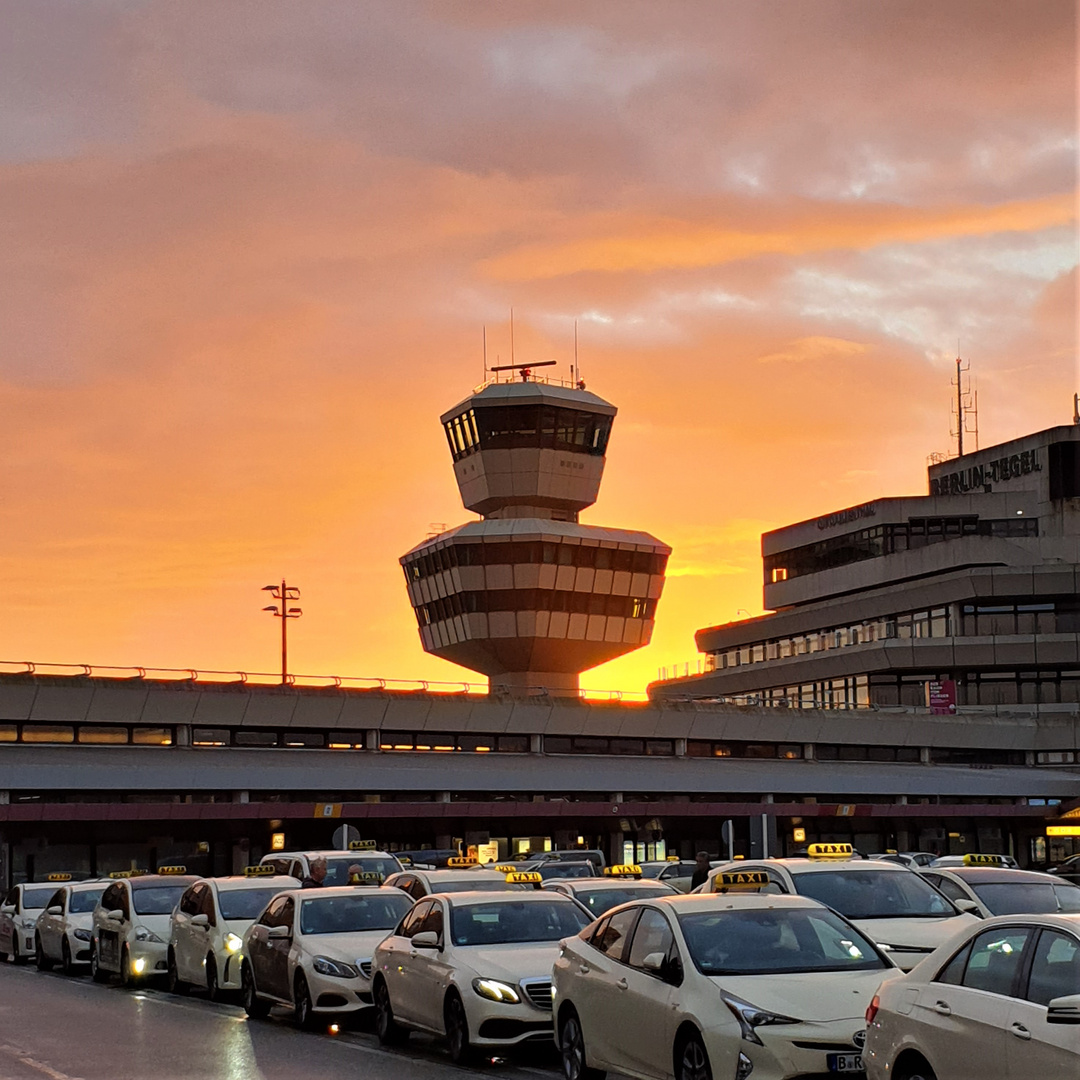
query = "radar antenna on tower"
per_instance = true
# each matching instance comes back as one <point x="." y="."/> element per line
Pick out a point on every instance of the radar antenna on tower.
<point x="966" y="417"/>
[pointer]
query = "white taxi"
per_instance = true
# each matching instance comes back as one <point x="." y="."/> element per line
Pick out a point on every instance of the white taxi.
<point x="597" y="895"/>
<point x="421" y="883"/>
<point x="473" y="967"/>
<point x="311" y="949"/>
<point x="18" y="918"/>
<point x="997" y="890"/>
<point x="1001" y="1002"/>
<point x="895" y="906"/>
<point x="130" y="925"/>
<point x="206" y="932"/>
<point x="722" y="985"/>
<point x="63" y="931"/>
<point x="361" y="864"/>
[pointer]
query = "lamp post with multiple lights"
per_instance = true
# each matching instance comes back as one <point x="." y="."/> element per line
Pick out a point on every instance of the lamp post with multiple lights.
<point x="283" y="593"/>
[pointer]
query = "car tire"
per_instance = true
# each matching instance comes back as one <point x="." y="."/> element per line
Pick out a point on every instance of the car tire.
<point x="916" y="1070"/>
<point x="456" y="1024"/>
<point x="40" y="959"/>
<point x="175" y="983"/>
<point x="213" y="987"/>
<point x="254" y="1005"/>
<point x="97" y="972"/>
<point x="127" y="976"/>
<point x="572" y="1049"/>
<point x="691" y="1059"/>
<point x="67" y="963"/>
<point x="387" y="1029"/>
<point x="303" y="1008"/>
<point x="16" y="956"/>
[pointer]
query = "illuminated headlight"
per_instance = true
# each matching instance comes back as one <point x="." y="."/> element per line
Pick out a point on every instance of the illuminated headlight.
<point x="325" y="966"/>
<point x="751" y="1017"/>
<point x="142" y="934"/>
<point x="139" y="966"/>
<point x="494" y="990"/>
<point x="83" y="935"/>
<point x="233" y="943"/>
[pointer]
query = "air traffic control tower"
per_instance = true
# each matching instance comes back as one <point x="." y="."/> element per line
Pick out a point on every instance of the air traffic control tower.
<point x="529" y="596"/>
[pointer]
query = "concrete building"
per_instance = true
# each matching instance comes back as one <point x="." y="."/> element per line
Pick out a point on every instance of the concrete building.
<point x="529" y="596"/>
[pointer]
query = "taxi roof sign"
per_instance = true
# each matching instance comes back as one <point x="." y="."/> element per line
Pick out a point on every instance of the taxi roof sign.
<point x="169" y="870"/>
<point x="523" y="877"/>
<point x="366" y="877"/>
<point x="830" y="851"/>
<point x="459" y="861"/>
<point x="361" y="845"/>
<point x="507" y="868"/>
<point x="623" y="870"/>
<point x="740" y="881"/>
<point x="973" y="859"/>
<point x="58" y="877"/>
<point x="674" y="858"/>
<point x="128" y="873"/>
<point x="262" y="870"/>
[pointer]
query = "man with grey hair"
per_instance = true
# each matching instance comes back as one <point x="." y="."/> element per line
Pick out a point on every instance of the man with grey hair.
<point x="317" y="878"/>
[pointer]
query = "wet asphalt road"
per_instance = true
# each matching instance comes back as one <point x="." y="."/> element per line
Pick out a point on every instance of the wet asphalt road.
<point x="57" y="1028"/>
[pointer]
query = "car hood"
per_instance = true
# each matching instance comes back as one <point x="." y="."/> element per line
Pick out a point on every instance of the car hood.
<point x="818" y="997"/>
<point x="348" y="948"/>
<point x="511" y="963"/>
<point x="159" y="924"/>
<point x="925" y="934"/>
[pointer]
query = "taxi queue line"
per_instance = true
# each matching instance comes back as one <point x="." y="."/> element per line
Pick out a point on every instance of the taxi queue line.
<point x="495" y="963"/>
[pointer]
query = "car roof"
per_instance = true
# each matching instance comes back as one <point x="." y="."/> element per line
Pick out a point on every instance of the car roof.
<point x="344" y="890"/>
<point x="1059" y="920"/>
<point x="242" y="881"/>
<point x="995" y="875"/>
<point x="457" y="875"/>
<point x="806" y="865"/>
<point x="529" y="896"/>
<point x="608" y="883"/>
<point x="686" y="902"/>
<point x="327" y="853"/>
<point x="149" y="881"/>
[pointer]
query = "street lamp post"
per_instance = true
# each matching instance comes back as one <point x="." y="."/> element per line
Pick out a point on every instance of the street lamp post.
<point x="283" y="593"/>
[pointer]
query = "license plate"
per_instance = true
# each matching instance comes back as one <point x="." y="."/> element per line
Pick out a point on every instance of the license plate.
<point x="845" y="1063"/>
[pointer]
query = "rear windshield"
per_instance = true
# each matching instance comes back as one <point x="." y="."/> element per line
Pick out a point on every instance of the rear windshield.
<point x="484" y="885"/>
<point x="244" y="903"/>
<point x="1028" y="897"/>
<point x="157" y="899"/>
<point x="36" y="898"/>
<point x="564" y="870"/>
<point x="337" y="870"/>
<point x="516" y="922"/>
<point x="353" y="914"/>
<point x="84" y="900"/>
<point x="775" y="941"/>
<point x="869" y="894"/>
<point x="599" y="900"/>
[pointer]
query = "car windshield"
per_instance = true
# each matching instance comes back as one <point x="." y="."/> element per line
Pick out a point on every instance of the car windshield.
<point x="1027" y="897"/>
<point x="337" y="870"/>
<point x="520" y="921"/>
<point x="483" y="885"/>
<point x="564" y="870"/>
<point x="869" y="894"/>
<point x="763" y="941"/>
<point x="157" y="899"/>
<point x="32" y="899"/>
<point x="244" y="903"/>
<point x="84" y="900"/>
<point x="353" y="914"/>
<point x="600" y="900"/>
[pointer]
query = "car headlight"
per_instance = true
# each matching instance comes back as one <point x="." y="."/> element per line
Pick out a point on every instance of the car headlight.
<point x="751" y="1017"/>
<point x="494" y="990"/>
<point x="29" y="924"/>
<point x="233" y="943"/>
<point x="339" y="970"/>
<point x="83" y="935"/>
<point x="142" y="934"/>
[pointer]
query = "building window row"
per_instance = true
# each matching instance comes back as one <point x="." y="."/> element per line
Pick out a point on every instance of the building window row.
<point x="533" y="552"/>
<point x="889" y="539"/>
<point x="1038" y="616"/>
<point x="446" y="742"/>
<point x="734" y="748"/>
<point x="618" y="746"/>
<point x="290" y="738"/>
<point x="90" y="734"/>
<point x="576" y="603"/>
<point x="517" y="427"/>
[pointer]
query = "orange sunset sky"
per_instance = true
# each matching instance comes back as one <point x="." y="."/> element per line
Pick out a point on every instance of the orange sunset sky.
<point x="249" y="249"/>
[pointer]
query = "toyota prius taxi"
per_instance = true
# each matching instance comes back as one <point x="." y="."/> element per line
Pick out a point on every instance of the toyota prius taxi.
<point x="310" y="949"/>
<point x="728" y="985"/>
<point x="63" y="929"/>
<point x="18" y="918"/>
<point x="207" y="928"/>
<point x="474" y="968"/>
<point x="898" y="908"/>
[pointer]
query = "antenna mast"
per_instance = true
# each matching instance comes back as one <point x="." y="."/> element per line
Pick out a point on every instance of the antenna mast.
<point x="967" y="405"/>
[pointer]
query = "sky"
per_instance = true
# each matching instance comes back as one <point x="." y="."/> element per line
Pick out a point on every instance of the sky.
<point x="250" y="249"/>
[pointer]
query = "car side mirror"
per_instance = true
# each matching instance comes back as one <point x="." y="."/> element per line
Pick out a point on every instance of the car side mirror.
<point x="6" y="909"/>
<point x="56" y="909"/>
<point x="1064" y="1010"/>
<point x="968" y="907"/>
<point x="116" y="915"/>
<point x="426" y="939"/>
<point x="202" y="920"/>
<point x="277" y="932"/>
<point x="654" y="962"/>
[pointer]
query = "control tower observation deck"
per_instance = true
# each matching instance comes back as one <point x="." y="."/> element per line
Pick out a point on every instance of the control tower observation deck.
<point x="529" y="596"/>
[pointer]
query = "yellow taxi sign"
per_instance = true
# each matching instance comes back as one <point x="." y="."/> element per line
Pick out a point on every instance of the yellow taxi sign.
<point x="523" y="877"/>
<point x="168" y="870"/>
<point x="740" y="880"/>
<point x="128" y="873"/>
<point x="58" y="877"/>
<point x="508" y="868"/>
<point x="366" y="877"/>
<point x="674" y="858"/>
<point x="361" y="845"/>
<point x="622" y="870"/>
<point x="263" y="870"/>
<point x="459" y="861"/>
<point x="972" y="859"/>
<point x="830" y="851"/>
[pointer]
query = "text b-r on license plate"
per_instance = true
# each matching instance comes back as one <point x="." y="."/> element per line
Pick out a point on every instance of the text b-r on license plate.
<point x="845" y="1063"/>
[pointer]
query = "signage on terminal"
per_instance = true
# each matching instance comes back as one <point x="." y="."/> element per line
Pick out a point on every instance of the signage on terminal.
<point x="845" y="517"/>
<point x="941" y="694"/>
<point x="983" y="477"/>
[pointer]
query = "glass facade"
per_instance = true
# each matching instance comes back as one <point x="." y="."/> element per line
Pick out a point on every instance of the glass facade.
<point x="511" y="427"/>
<point x="578" y="603"/>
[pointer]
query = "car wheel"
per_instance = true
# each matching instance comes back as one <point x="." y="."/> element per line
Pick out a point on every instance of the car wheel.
<point x="42" y="961"/>
<point x="67" y="964"/>
<point x="254" y="1005"/>
<point x="127" y="976"/>
<point x="303" y="1011"/>
<point x="691" y="1060"/>
<point x="457" y="1029"/>
<point x="388" y="1030"/>
<point x="97" y="973"/>
<point x="16" y="956"/>
<point x="213" y="990"/>
<point x="915" y="1070"/>
<point x="176" y="984"/>
<point x="572" y="1048"/>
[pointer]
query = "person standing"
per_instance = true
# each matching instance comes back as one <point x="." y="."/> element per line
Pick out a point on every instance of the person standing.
<point x="701" y="871"/>
<point x="317" y="876"/>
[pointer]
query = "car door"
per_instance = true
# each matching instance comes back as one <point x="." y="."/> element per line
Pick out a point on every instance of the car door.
<point x="111" y="931"/>
<point x="650" y="997"/>
<point x="429" y="969"/>
<point x="600" y="996"/>
<point x="7" y="920"/>
<point x="49" y="925"/>
<point x="1034" y="1047"/>
<point x="260" y="954"/>
<point x="278" y="949"/>
<point x="183" y="932"/>
<point x="401" y="973"/>
<point x="961" y="1016"/>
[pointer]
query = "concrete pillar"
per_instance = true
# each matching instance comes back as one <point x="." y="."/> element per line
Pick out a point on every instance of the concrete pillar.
<point x="767" y="798"/>
<point x="241" y="797"/>
<point x="924" y="755"/>
<point x="808" y="751"/>
<point x="536" y="744"/>
<point x="680" y="748"/>
<point x="371" y="740"/>
<point x="183" y="734"/>
<point x="442" y="796"/>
